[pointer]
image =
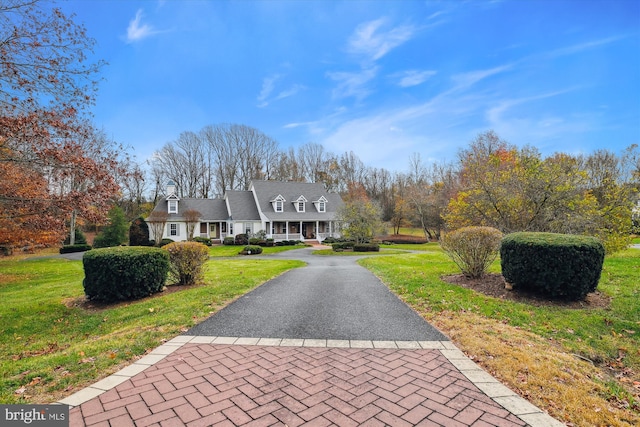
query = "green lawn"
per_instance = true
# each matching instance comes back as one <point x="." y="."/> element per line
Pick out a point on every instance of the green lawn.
<point x="50" y="347"/>
<point x="597" y="333"/>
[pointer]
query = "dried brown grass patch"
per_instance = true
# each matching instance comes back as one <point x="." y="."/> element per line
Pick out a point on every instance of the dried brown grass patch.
<point x="571" y="389"/>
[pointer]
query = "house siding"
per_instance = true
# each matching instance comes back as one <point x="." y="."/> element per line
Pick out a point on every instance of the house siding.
<point x="239" y="211"/>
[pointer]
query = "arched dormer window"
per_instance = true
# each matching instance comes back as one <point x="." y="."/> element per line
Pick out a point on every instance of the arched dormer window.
<point x="172" y="204"/>
<point x="321" y="204"/>
<point x="300" y="204"/>
<point x="278" y="203"/>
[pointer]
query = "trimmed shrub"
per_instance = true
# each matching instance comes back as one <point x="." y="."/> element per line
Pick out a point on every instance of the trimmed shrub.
<point x="401" y="238"/>
<point x="165" y="242"/>
<point x="341" y="246"/>
<point x="241" y="239"/>
<point x="124" y="273"/>
<point x="67" y="249"/>
<point x="268" y="243"/>
<point x="203" y="240"/>
<point x="366" y="247"/>
<point x="473" y="249"/>
<point x="251" y="250"/>
<point x="186" y="260"/>
<point x="229" y="241"/>
<point x="559" y="266"/>
<point x="139" y="233"/>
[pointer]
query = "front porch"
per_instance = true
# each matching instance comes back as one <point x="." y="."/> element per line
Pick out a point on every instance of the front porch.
<point x="216" y="231"/>
<point x="302" y="230"/>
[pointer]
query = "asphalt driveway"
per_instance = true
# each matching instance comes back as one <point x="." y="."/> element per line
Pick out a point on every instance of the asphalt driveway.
<point x="330" y="298"/>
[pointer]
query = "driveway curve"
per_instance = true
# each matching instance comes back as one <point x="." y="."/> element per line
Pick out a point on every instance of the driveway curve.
<point x="329" y="298"/>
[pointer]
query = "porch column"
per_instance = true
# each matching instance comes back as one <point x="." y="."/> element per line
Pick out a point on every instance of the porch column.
<point x="286" y="229"/>
<point x="300" y="236"/>
<point x="318" y="231"/>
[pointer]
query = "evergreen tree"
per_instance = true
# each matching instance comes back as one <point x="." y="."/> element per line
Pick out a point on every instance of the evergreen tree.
<point x="115" y="233"/>
<point x="139" y="232"/>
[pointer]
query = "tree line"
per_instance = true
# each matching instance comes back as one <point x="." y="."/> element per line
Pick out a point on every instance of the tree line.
<point x="491" y="183"/>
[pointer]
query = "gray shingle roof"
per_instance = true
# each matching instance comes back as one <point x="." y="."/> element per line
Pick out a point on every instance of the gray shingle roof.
<point x="267" y="191"/>
<point x="242" y="206"/>
<point x="210" y="209"/>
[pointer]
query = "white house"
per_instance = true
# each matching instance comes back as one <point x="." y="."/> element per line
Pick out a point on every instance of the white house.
<point x="283" y="210"/>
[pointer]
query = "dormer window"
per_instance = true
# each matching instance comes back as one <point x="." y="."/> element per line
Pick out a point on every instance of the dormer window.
<point x="300" y="204"/>
<point x="173" y="206"/>
<point x="278" y="203"/>
<point x="321" y="204"/>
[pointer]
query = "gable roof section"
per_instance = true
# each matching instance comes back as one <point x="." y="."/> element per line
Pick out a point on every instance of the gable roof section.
<point x="242" y="206"/>
<point x="210" y="209"/>
<point x="267" y="191"/>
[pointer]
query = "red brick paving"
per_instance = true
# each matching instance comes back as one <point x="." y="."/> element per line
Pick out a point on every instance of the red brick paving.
<point x="235" y="385"/>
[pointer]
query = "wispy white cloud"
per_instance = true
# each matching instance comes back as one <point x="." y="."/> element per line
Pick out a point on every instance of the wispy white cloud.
<point x="268" y="84"/>
<point x="137" y="30"/>
<point x="294" y="89"/>
<point x="465" y="80"/>
<point x="268" y="87"/>
<point x="581" y="47"/>
<point x="412" y="77"/>
<point x="353" y="84"/>
<point x="370" y="41"/>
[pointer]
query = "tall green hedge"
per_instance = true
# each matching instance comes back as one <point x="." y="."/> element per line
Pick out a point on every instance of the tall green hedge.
<point x="124" y="273"/>
<point x="560" y="266"/>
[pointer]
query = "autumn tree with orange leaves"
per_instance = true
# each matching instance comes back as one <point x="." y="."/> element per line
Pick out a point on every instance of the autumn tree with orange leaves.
<point x="515" y="189"/>
<point x="53" y="164"/>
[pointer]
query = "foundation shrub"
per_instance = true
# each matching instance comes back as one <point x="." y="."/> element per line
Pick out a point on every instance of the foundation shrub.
<point x="251" y="250"/>
<point x="241" y="239"/>
<point x="473" y="249"/>
<point x="560" y="266"/>
<point x="203" y="240"/>
<point x="229" y="241"/>
<point x="186" y="260"/>
<point x="341" y="246"/>
<point x="124" y="273"/>
<point x="165" y="242"/>
<point x="366" y="247"/>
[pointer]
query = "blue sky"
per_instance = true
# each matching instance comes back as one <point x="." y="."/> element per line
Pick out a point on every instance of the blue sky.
<point x="383" y="79"/>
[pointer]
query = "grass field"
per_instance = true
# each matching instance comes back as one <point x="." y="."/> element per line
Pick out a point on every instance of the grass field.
<point x="581" y="365"/>
<point x="51" y="344"/>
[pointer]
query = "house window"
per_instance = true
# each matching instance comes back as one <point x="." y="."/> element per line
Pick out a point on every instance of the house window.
<point x="223" y="227"/>
<point x="322" y="207"/>
<point x="230" y="228"/>
<point x="300" y="206"/>
<point x="279" y="206"/>
<point x="174" y="230"/>
<point x="173" y="206"/>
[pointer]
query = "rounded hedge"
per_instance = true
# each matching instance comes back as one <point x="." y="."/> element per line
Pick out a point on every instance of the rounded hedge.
<point x="251" y="250"/>
<point x="67" y="249"/>
<point x="473" y="249"/>
<point x="124" y="273"/>
<point x="560" y="266"/>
